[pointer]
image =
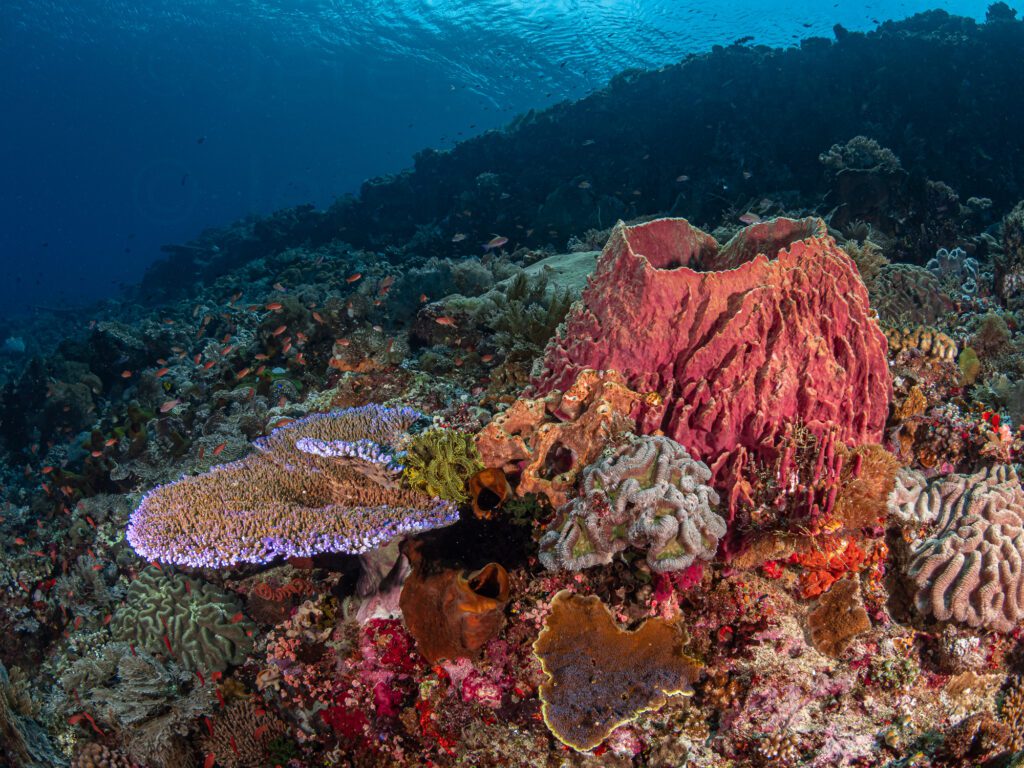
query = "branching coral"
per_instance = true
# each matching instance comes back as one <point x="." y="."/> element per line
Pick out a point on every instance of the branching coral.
<point x="600" y="676"/>
<point x="23" y="742"/>
<point x="240" y="735"/>
<point x="930" y="342"/>
<point x="550" y="440"/>
<point x="440" y="462"/>
<point x="972" y="569"/>
<point x="649" y="494"/>
<point x="190" y="620"/>
<point x="906" y="293"/>
<point x="326" y="483"/>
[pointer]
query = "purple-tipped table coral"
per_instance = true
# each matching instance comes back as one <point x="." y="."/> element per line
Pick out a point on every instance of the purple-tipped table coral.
<point x="326" y="483"/>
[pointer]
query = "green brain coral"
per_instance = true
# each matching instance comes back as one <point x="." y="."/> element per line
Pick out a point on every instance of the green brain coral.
<point x="201" y="627"/>
<point x="440" y="462"/>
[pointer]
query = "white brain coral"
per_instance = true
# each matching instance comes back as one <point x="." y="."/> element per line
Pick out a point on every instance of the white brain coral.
<point x="971" y="570"/>
<point x="649" y="494"/>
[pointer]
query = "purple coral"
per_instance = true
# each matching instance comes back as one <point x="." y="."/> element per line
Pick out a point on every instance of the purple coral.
<point x="288" y="500"/>
<point x="649" y="494"/>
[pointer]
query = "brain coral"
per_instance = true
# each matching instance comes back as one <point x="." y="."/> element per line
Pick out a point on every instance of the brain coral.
<point x="650" y="494"/>
<point x="327" y="483"/>
<point x="201" y="627"/>
<point x="738" y="340"/>
<point x="600" y="676"/>
<point x="972" y="569"/>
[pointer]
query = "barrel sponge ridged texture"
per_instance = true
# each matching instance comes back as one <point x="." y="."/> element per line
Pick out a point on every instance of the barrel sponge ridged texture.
<point x="327" y="483"/>
<point x="205" y="628"/>
<point x="972" y="569"/>
<point x="738" y="340"/>
<point x="649" y="494"/>
<point x="600" y="676"/>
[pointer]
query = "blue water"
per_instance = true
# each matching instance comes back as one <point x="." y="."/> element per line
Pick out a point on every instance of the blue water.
<point x="126" y="125"/>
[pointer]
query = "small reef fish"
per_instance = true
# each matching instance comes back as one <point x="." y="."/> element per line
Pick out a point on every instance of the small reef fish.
<point x="423" y="298"/>
<point x="353" y="277"/>
<point x="445" y="320"/>
<point x="584" y="185"/>
<point x="279" y="330"/>
<point x="169" y="405"/>
<point x="458" y="237"/>
<point x="750" y="218"/>
<point x="274" y="306"/>
<point x="682" y="177"/>
<point x="495" y="242"/>
<point x="162" y="372"/>
<point x="126" y="374"/>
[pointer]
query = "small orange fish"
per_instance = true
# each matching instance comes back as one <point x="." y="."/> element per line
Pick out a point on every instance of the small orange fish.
<point x="226" y="339"/>
<point x="284" y="350"/>
<point x="260" y="370"/>
<point x="219" y="448"/>
<point x="445" y="320"/>
<point x="97" y="454"/>
<point x="261" y="356"/>
<point x="161" y="361"/>
<point x="227" y="349"/>
<point x="385" y="285"/>
<point x="353" y="277"/>
<point x="126" y="374"/>
<point x="162" y="372"/>
<point x="278" y="287"/>
<point x="342" y="342"/>
<point x="486" y="358"/>
<point x="209" y="365"/>
<point x="110" y="442"/>
<point x="279" y="330"/>
<point x="423" y="298"/>
<point x="237" y="617"/>
<point x="242" y="374"/>
<point x="169" y="405"/>
<point x="197" y="359"/>
<point x="46" y="470"/>
<point x="318" y="318"/>
<point x="210" y="760"/>
<point x="274" y="306"/>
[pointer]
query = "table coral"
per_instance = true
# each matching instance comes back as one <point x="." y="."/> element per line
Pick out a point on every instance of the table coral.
<point x="192" y="621"/>
<point x="326" y="483"/>
<point x="600" y="676"/>
<point x="971" y="569"/>
<point x="550" y="440"/>
<point x="649" y="494"/>
<point x="738" y="340"/>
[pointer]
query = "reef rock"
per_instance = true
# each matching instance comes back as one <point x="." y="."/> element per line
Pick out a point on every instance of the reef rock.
<point x="739" y="340"/>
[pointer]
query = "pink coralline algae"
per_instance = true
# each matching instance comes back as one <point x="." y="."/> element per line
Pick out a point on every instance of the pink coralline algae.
<point x="327" y="483"/>
<point x="739" y="340"/>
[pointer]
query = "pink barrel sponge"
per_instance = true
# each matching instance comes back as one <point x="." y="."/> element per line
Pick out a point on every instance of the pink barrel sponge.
<point x="738" y="340"/>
